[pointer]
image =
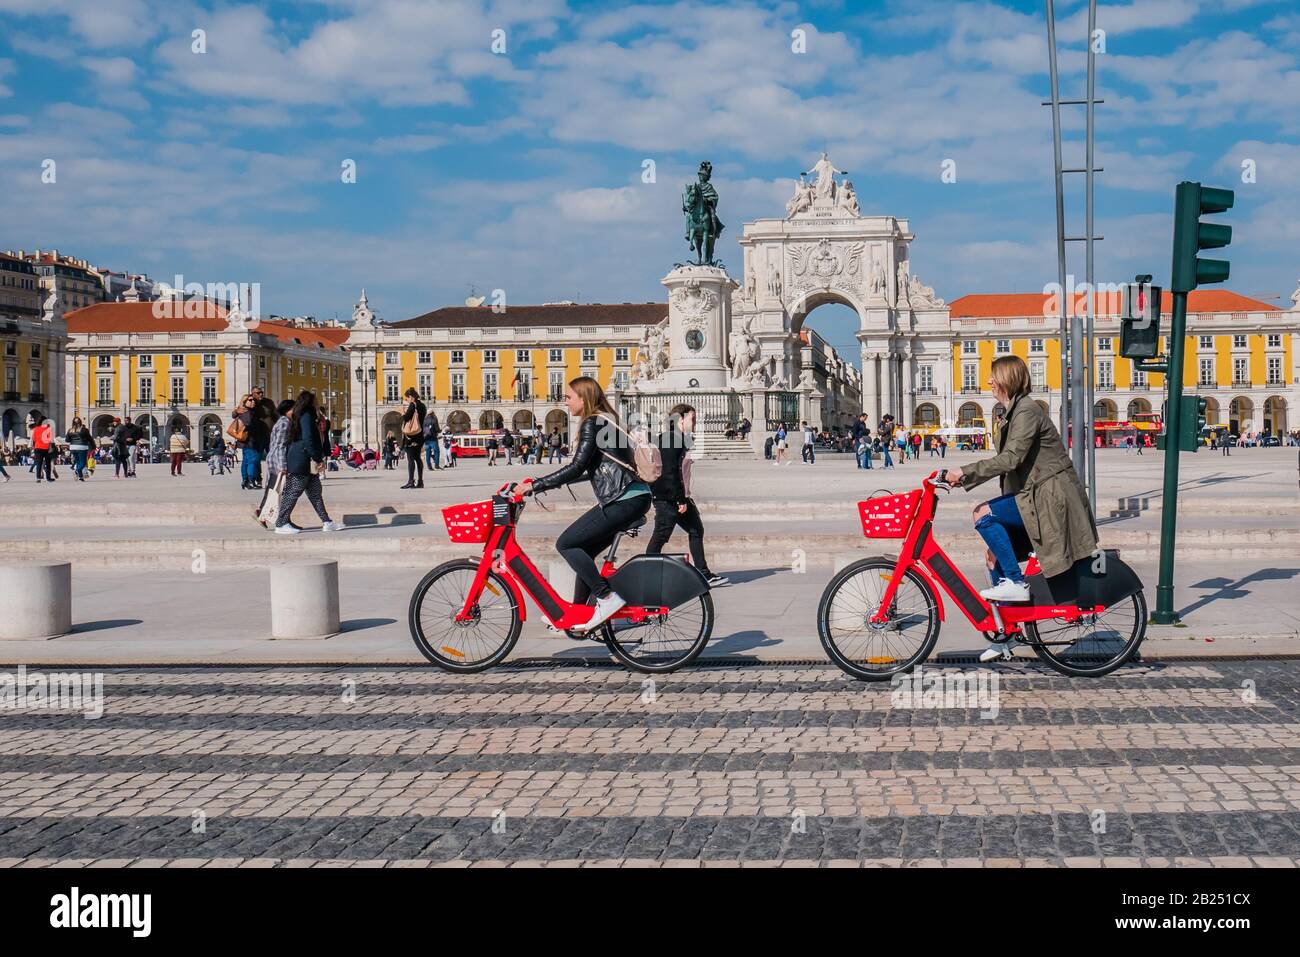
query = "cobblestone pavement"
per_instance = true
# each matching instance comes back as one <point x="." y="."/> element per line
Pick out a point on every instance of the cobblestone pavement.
<point x="1177" y="764"/>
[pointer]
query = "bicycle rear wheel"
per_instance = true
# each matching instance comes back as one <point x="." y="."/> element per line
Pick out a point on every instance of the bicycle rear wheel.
<point x="870" y="651"/>
<point x="664" y="644"/>
<point x="1094" y="645"/>
<point x="469" y="646"/>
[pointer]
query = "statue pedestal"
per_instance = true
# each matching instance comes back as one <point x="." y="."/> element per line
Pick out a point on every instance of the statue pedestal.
<point x="699" y="319"/>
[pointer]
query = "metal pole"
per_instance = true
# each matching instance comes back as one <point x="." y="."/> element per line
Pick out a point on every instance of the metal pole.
<point x="1060" y="211"/>
<point x="1087" y="357"/>
<point x="1164" y="613"/>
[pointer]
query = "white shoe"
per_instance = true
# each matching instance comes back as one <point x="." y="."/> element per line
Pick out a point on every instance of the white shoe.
<point x="1007" y="590"/>
<point x="1001" y="652"/>
<point x="605" y="609"/>
<point x="287" y="530"/>
<point x="331" y="527"/>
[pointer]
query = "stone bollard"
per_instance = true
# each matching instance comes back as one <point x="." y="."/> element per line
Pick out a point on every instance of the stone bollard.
<point x="305" y="599"/>
<point x="37" y="600"/>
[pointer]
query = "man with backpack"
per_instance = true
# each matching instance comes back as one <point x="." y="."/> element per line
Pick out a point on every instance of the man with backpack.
<point x="554" y="443"/>
<point x="508" y="443"/>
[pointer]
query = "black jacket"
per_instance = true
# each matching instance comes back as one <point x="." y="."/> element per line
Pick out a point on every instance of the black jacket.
<point x="598" y="440"/>
<point x="306" y="447"/>
<point x="418" y="410"/>
<point x="674" y="444"/>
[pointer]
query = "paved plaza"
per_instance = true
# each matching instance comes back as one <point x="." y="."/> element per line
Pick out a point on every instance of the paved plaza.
<point x="1158" y="765"/>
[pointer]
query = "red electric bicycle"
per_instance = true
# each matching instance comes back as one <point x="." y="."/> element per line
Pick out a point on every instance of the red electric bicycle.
<point x="466" y="615"/>
<point x="881" y="616"/>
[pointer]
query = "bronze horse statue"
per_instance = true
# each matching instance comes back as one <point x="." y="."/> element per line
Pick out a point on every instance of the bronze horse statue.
<point x="700" y="203"/>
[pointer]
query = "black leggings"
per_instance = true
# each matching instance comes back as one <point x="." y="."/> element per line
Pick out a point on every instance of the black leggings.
<point x="590" y="535"/>
<point x="414" y="464"/>
<point x="668" y="518"/>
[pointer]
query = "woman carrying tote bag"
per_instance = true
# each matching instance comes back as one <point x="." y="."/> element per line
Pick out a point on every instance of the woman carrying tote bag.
<point x="300" y="463"/>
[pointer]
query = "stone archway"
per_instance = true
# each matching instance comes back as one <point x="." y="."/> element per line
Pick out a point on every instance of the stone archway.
<point x="1213" y="413"/>
<point x="1241" y="415"/>
<point x="969" y="414"/>
<point x="557" y="419"/>
<point x="1138" y="407"/>
<point x="490" y="419"/>
<point x="458" y="422"/>
<point x="522" y="421"/>
<point x="926" y="416"/>
<point x="11" y="426"/>
<point x="390" y="425"/>
<point x="825" y="250"/>
<point x="1275" y="415"/>
<point x="209" y="429"/>
<point x="1104" y="409"/>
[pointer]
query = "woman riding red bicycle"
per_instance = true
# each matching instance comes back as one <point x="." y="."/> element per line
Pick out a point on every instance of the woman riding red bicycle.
<point x="603" y="456"/>
<point x="1042" y="507"/>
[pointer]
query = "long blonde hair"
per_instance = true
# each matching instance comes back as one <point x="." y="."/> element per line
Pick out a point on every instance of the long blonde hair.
<point x="593" y="397"/>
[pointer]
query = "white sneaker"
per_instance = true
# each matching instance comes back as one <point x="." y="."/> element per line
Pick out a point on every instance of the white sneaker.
<point x="287" y="530"/>
<point x="605" y="608"/>
<point x="1007" y="590"/>
<point x="331" y="527"/>
<point x="1001" y="652"/>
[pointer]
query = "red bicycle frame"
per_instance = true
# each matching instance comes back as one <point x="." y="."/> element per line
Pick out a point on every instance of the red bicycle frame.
<point x="920" y="551"/>
<point x="502" y="554"/>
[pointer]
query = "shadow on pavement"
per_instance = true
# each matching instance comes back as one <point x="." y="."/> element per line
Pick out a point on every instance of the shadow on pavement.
<point x="739" y="643"/>
<point x="104" y="625"/>
<point x="360" y="624"/>
<point x="1226" y="589"/>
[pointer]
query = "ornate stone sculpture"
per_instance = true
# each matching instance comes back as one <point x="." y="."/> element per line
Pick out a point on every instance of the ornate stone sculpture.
<point x="774" y="281"/>
<point x="802" y="199"/>
<point x="824" y="185"/>
<point x="877" y="278"/>
<point x="744" y="350"/>
<point x="848" y="198"/>
<point x="700" y="204"/>
<point x="904" y="286"/>
<point x="922" y="295"/>
<point x="1295" y="297"/>
<point x="652" y="357"/>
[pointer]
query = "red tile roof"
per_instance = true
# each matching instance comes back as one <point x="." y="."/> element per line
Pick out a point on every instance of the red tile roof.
<point x="194" y="315"/>
<point x="1000" y="305"/>
<point x="579" y="314"/>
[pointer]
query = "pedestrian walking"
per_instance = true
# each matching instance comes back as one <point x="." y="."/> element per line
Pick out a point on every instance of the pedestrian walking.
<point x="42" y="454"/>
<point x="491" y="445"/>
<point x="248" y="427"/>
<point x="178" y="444"/>
<point x="390" y="452"/>
<point x="553" y="444"/>
<point x="80" y="445"/>
<point x="508" y="443"/>
<point x="302" y="461"/>
<point x="780" y="444"/>
<point x="431" y="444"/>
<point x="217" y="456"/>
<point x="413" y="438"/>
<point x="671" y="492"/>
<point x="277" y="454"/>
<point x="886" y="435"/>
<point x="449" y="453"/>
<point x="808" y="453"/>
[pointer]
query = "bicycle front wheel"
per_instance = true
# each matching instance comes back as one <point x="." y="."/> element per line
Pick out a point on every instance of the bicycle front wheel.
<point x="663" y="644"/>
<point x="1095" y="645"/>
<point x="463" y="646"/>
<point x="876" y="651"/>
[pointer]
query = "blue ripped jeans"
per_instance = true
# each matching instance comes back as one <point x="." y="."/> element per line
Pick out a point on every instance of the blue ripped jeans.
<point x="1003" y="530"/>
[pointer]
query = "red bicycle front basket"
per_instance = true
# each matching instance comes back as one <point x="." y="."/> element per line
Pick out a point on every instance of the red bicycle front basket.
<point x="469" y="523"/>
<point x="887" y="516"/>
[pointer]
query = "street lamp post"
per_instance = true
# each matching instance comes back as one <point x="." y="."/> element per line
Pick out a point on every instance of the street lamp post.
<point x="365" y="377"/>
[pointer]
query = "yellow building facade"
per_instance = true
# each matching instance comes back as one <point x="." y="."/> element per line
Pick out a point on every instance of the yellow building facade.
<point x="480" y="369"/>
<point x="187" y="369"/>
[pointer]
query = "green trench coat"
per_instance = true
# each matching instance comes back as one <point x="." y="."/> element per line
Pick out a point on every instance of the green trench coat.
<point x="1035" y="467"/>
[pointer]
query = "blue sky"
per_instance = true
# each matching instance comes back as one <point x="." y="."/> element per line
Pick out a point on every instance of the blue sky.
<point x="522" y="171"/>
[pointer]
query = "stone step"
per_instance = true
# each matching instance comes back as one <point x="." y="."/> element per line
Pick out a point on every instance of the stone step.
<point x="726" y="551"/>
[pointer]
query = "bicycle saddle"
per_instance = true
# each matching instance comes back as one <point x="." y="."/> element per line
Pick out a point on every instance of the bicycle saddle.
<point x="632" y="529"/>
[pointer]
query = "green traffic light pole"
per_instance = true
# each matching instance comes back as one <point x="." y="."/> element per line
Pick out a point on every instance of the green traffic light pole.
<point x="1164" y="613"/>
<point x="1191" y="201"/>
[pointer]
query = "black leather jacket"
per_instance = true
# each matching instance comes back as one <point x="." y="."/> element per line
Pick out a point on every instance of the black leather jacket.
<point x="673" y="444"/>
<point x="609" y="480"/>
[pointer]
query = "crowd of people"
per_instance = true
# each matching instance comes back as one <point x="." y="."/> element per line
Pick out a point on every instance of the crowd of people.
<point x="886" y="441"/>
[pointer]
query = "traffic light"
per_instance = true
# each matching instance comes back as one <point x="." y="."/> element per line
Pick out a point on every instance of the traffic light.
<point x="1192" y="413"/>
<point x="1139" y="326"/>
<point x="1191" y="202"/>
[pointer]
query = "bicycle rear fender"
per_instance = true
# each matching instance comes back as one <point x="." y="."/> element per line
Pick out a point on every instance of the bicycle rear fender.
<point x="1102" y="581"/>
<point x="658" y="580"/>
